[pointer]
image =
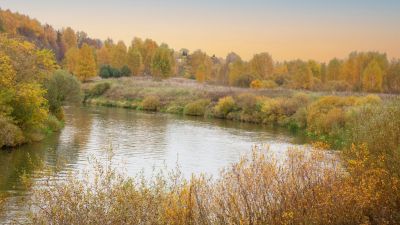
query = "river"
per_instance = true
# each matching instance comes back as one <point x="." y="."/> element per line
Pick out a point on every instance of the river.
<point x="140" y="142"/>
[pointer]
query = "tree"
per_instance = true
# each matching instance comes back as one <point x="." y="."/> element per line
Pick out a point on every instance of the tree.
<point x="148" y="51"/>
<point x="334" y="69"/>
<point x="104" y="55"/>
<point x="201" y="59"/>
<point x="201" y="74"/>
<point x="61" y="87"/>
<point x="372" y="77"/>
<point x="119" y="55"/>
<point x="315" y="68"/>
<point x="29" y="106"/>
<point x="302" y="76"/>
<point x="125" y="71"/>
<point x="86" y="67"/>
<point x="162" y="63"/>
<point x="135" y="60"/>
<point x="239" y="75"/>
<point x="261" y="65"/>
<point x="69" y="37"/>
<point x="8" y="74"/>
<point x="392" y="78"/>
<point x="72" y="60"/>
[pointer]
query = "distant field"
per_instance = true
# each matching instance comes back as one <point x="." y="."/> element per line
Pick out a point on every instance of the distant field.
<point x="125" y="88"/>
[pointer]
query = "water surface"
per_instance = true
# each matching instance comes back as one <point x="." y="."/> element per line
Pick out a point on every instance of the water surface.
<point x="140" y="142"/>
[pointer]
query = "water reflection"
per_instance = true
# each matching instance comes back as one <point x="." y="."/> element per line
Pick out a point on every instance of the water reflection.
<point x="141" y="141"/>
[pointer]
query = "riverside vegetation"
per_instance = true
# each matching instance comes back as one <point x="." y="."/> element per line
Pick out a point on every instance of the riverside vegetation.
<point x="323" y="117"/>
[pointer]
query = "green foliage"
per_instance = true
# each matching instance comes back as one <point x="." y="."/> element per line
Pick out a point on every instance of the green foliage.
<point x="196" y="108"/>
<point x="125" y="71"/>
<point x="225" y="106"/>
<point x="107" y="71"/>
<point x="99" y="89"/>
<point x="61" y="88"/>
<point x="29" y="106"/>
<point x="162" y="63"/>
<point x="53" y="123"/>
<point x="151" y="103"/>
<point x="378" y="128"/>
<point x="329" y="115"/>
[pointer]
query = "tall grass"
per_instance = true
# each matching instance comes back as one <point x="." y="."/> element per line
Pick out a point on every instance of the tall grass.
<point x="305" y="187"/>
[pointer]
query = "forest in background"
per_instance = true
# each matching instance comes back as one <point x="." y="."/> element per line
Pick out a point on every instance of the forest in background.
<point x="87" y="57"/>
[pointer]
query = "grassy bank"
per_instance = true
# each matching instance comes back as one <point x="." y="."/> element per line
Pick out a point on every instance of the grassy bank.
<point x="323" y="116"/>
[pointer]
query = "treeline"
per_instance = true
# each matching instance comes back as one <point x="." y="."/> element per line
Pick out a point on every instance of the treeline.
<point x="86" y="57"/>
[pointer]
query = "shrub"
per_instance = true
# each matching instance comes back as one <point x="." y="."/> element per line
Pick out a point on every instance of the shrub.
<point x="305" y="185"/>
<point x="62" y="87"/>
<point x="175" y="109"/>
<point x="196" y="108"/>
<point x="248" y="103"/>
<point x="378" y="127"/>
<point x="337" y="85"/>
<point x="53" y="124"/>
<point x="10" y="134"/>
<point x="151" y="103"/>
<point x="224" y="106"/>
<point x="125" y="71"/>
<point x="107" y="71"/>
<point x="99" y="89"/>
<point x="270" y="84"/>
<point x="256" y="84"/>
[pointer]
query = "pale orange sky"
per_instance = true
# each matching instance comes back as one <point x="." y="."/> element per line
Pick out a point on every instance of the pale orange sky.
<point x="288" y="29"/>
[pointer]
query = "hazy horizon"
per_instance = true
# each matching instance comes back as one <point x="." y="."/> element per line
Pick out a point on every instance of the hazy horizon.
<point x="288" y="30"/>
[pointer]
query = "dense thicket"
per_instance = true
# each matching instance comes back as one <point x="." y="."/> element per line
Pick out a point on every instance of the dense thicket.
<point x="31" y="91"/>
<point x="84" y="57"/>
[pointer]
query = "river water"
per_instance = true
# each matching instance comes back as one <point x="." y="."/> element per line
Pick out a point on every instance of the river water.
<point x="140" y="142"/>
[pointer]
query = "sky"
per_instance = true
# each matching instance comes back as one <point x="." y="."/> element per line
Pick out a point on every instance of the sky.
<point x="287" y="29"/>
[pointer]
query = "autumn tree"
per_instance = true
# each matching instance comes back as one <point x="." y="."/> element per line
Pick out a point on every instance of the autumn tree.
<point x="302" y="76"/>
<point x="392" y="78"/>
<point x="134" y="60"/>
<point x="119" y="55"/>
<point x="315" y="68"/>
<point x="147" y="50"/>
<point x="201" y="74"/>
<point x="334" y="69"/>
<point x="162" y="63"/>
<point x="86" y="67"/>
<point x="104" y="55"/>
<point x="72" y="60"/>
<point x="69" y="37"/>
<point x="239" y="74"/>
<point x="372" y="77"/>
<point x="200" y="59"/>
<point x="262" y="66"/>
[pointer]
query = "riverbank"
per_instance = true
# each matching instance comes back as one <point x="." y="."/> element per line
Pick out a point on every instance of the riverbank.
<point x="325" y="117"/>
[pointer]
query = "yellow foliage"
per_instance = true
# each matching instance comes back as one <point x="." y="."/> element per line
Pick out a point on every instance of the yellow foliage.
<point x="86" y="65"/>
<point x="30" y="106"/>
<point x="256" y="84"/>
<point x="8" y="74"/>
<point x="225" y="106"/>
